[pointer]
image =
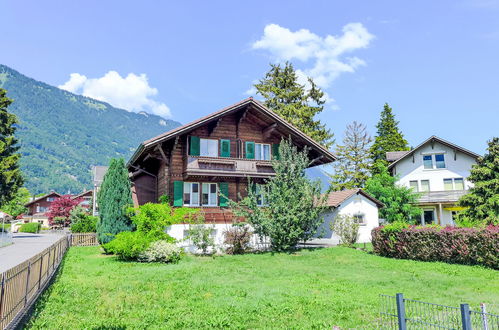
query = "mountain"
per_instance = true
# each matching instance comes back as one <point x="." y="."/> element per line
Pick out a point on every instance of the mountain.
<point x="62" y="134"/>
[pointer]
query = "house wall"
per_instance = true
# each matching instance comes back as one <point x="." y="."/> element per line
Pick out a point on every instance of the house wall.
<point x="353" y="205"/>
<point x="407" y="170"/>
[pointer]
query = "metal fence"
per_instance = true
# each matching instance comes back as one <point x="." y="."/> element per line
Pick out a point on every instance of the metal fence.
<point x="398" y="312"/>
<point x="22" y="284"/>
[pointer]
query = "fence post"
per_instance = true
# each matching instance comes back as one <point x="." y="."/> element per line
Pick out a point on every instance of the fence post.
<point x="465" y="316"/>
<point x="2" y="294"/>
<point x="485" y="322"/>
<point x="401" y="311"/>
<point x="27" y="284"/>
<point x="40" y="272"/>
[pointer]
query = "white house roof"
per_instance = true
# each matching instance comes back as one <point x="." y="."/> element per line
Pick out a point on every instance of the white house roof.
<point x="335" y="198"/>
<point x="431" y="139"/>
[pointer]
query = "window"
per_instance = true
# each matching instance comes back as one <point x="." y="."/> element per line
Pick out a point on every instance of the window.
<point x="448" y="184"/>
<point x="428" y="216"/>
<point x="440" y="160"/>
<point x="50" y="199"/>
<point x="459" y="184"/>
<point x="208" y="148"/>
<point x="261" y="199"/>
<point x="359" y="218"/>
<point x="191" y="193"/>
<point x="209" y="194"/>
<point x="262" y="151"/>
<point x="454" y="184"/>
<point x="414" y="185"/>
<point x="427" y="162"/>
<point x="425" y="185"/>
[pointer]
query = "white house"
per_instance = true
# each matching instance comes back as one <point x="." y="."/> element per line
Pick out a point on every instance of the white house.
<point x="354" y="202"/>
<point x="438" y="170"/>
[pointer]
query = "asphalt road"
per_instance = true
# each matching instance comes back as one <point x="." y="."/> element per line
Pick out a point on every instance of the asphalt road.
<point x="25" y="246"/>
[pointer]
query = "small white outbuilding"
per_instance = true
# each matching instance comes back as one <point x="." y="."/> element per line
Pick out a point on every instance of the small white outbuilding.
<point x="354" y="202"/>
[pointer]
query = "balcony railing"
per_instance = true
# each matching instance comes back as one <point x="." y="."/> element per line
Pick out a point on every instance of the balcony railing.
<point x="441" y="196"/>
<point x="236" y="167"/>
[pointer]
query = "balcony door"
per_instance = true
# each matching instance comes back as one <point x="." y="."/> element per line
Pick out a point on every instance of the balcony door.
<point x="428" y="216"/>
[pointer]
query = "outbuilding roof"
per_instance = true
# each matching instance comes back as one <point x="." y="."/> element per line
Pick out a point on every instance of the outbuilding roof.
<point x="53" y="193"/>
<point x="336" y="198"/>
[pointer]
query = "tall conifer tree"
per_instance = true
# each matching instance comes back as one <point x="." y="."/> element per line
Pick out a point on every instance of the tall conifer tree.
<point x="483" y="200"/>
<point x="114" y="197"/>
<point x="295" y="103"/>
<point x="10" y="175"/>
<point x="354" y="158"/>
<point x="388" y="137"/>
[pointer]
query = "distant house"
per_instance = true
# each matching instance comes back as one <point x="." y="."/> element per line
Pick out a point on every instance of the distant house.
<point x="194" y="163"/>
<point x="38" y="208"/>
<point x="98" y="173"/>
<point x="86" y="199"/>
<point x="352" y="202"/>
<point x="438" y="170"/>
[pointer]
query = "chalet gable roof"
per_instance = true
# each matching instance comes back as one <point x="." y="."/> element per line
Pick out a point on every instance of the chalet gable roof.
<point x="53" y="193"/>
<point x="185" y="129"/>
<point x="435" y="138"/>
<point x="336" y="198"/>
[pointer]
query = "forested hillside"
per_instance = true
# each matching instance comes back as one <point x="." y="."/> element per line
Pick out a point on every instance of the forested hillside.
<point x="62" y="134"/>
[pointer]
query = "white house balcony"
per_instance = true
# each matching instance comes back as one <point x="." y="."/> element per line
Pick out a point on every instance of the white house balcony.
<point x="447" y="196"/>
<point x="228" y="167"/>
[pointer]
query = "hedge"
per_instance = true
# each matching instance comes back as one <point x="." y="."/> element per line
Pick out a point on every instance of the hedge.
<point x="30" y="227"/>
<point x="469" y="246"/>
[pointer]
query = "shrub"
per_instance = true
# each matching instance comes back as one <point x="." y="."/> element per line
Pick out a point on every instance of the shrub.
<point x="469" y="246"/>
<point x="129" y="245"/>
<point x="346" y="228"/>
<point x="31" y="227"/>
<point x="161" y="251"/>
<point x="81" y="221"/>
<point x="201" y="237"/>
<point x="237" y="239"/>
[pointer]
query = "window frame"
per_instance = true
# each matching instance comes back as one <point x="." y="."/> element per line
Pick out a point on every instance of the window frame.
<point x="453" y="181"/>
<point x="260" y="196"/>
<point x="433" y="159"/>
<point x="209" y="194"/>
<point x="257" y="155"/>
<point x="201" y="147"/>
<point x="429" y="186"/>
<point x="417" y="185"/>
<point x="363" y="217"/>
<point x="190" y="194"/>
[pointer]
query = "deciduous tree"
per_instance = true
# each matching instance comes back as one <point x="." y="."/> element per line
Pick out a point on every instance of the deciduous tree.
<point x="10" y="175"/>
<point x="351" y="170"/>
<point x="114" y="197"/>
<point x="294" y="102"/>
<point x="292" y="203"/>
<point x="399" y="200"/>
<point x="60" y="210"/>
<point x="15" y="206"/>
<point x="482" y="202"/>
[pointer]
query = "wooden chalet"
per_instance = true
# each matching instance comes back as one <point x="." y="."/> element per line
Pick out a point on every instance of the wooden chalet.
<point x="195" y="164"/>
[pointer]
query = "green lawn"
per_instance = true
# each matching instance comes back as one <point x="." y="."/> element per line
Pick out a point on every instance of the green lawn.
<point x="316" y="288"/>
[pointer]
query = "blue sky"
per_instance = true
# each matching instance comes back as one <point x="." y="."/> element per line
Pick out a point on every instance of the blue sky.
<point x="434" y="62"/>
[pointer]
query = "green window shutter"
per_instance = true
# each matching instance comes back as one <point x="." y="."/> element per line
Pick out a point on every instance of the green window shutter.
<point x="250" y="150"/>
<point x="224" y="193"/>
<point x="275" y="151"/>
<point x="224" y="148"/>
<point x="178" y="193"/>
<point x="194" y="146"/>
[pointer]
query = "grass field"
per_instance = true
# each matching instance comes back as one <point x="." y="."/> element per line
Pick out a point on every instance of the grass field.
<point x="315" y="288"/>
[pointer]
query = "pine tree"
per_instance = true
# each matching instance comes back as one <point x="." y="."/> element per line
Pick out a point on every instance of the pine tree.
<point x="10" y="175"/>
<point x="293" y="102"/>
<point x="388" y="138"/>
<point x="354" y="159"/>
<point x="399" y="200"/>
<point x="114" y="198"/>
<point x="482" y="202"/>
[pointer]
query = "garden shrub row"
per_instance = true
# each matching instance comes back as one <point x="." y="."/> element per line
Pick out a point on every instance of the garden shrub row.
<point x="31" y="227"/>
<point x="469" y="246"/>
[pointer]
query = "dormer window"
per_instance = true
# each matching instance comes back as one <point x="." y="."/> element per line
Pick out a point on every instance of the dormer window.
<point x="436" y="161"/>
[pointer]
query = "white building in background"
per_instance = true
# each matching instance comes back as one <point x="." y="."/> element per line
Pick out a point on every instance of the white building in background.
<point x="438" y="170"/>
<point x="353" y="202"/>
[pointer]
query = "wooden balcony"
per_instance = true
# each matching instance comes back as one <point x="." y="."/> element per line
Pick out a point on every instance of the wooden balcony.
<point x="441" y="196"/>
<point x="228" y="167"/>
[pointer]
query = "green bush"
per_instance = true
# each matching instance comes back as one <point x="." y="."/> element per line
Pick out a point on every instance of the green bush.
<point x="129" y="245"/>
<point x="237" y="239"/>
<point x="346" y="228"/>
<point x="161" y="251"/>
<point x="81" y="221"/>
<point x="31" y="227"/>
<point x="201" y="236"/>
<point x="469" y="246"/>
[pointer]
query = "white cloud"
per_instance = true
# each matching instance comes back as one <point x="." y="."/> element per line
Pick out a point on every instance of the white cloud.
<point x="322" y="58"/>
<point x="132" y="93"/>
